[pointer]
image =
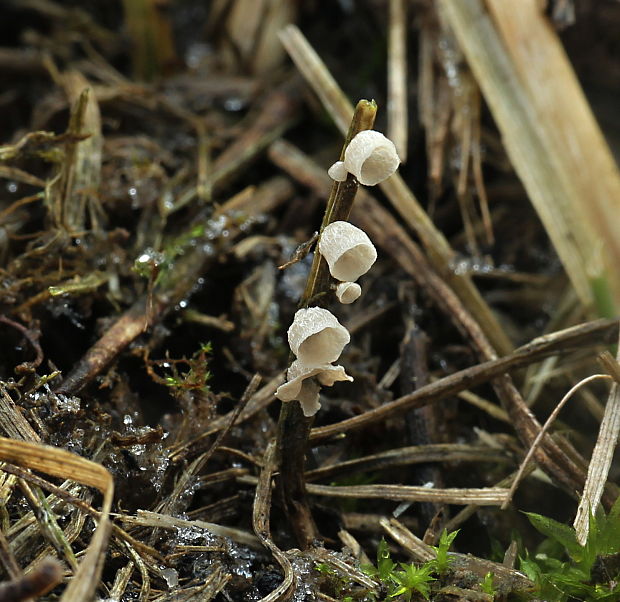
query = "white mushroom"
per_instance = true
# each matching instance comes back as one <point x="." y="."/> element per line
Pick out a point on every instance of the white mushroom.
<point x="347" y="292"/>
<point x="338" y="171"/>
<point x="303" y="384"/>
<point x="316" y="337"/>
<point x="371" y="157"/>
<point x="347" y="250"/>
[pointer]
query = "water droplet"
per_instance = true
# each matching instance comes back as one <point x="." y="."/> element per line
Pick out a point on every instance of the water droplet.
<point x="234" y="104"/>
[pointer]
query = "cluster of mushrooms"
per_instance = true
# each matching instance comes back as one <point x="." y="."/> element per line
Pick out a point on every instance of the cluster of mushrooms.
<point x="316" y="337"/>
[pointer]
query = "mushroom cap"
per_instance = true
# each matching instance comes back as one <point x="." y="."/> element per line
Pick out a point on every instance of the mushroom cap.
<point x="371" y="157"/>
<point x="316" y="337"/>
<point x="347" y="292"/>
<point x="302" y="386"/>
<point x="347" y="250"/>
<point x="338" y="171"/>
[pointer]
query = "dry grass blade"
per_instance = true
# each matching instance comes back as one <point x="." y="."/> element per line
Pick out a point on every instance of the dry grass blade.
<point x="82" y="182"/>
<point x="7" y="558"/>
<point x="544" y="430"/>
<point x="600" y="463"/>
<point x="488" y="496"/>
<point x="323" y="555"/>
<point x="486" y="406"/>
<point x="12" y="421"/>
<point x="549" y="132"/>
<point x="164" y="521"/>
<point x="65" y="465"/>
<point x="410" y="455"/>
<point x="212" y="586"/>
<point x="421" y="551"/>
<point x="398" y="117"/>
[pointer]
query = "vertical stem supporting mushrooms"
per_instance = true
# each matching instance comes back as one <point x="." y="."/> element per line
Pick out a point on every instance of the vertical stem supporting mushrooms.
<point x="293" y="426"/>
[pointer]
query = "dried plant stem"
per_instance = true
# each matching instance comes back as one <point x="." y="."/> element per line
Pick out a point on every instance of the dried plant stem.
<point x="397" y="78"/>
<point x="151" y="36"/>
<point x="260" y="523"/>
<point x="63" y="464"/>
<point x="40" y="580"/>
<point x="489" y="496"/>
<point x="293" y="426"/>
<point x="600" y="462"/>
<point x="544" y="429"/>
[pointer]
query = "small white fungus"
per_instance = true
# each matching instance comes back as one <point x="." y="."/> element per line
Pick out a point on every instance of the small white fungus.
<point x="347" y="250"/>
<point x="303" y="383"/>
<point x="347" y="292"/>
<point x="338" y="171"/>
<point x="371" y="157"/>
<point x="316" y="337"/>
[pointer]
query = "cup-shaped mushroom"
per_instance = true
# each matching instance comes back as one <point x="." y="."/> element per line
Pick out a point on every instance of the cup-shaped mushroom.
<point x="347" y="292"/>
<point x="371" y="157"/>
<point x="302" y="384"/>
<point x="316" y="337"/>
<point x="347" y="250"/>
<point x="338" y="171"/>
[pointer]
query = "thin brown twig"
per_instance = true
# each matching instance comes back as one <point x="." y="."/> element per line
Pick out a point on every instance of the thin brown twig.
<point x="40" y="580"/>
<point x="33" y="338"/>
<point x="545" y="428"/>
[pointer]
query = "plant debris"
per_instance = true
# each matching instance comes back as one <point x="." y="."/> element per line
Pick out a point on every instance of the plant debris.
<point x="164" y="177"/>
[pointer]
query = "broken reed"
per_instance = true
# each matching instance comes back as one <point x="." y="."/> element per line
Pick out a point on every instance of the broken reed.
<point x="293" y="426"/>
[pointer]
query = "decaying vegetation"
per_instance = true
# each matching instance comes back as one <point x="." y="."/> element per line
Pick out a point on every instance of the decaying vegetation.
<point x="163" y="171"/>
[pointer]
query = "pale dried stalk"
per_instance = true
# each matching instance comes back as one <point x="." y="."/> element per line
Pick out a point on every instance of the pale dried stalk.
<point x="549" y="133"/>
<point x="488" y="496"/>
<point x="439" y="251"/>
<point x="398" y="117"/>
<point x="64" y="464"/>
<point x="403" y="456"/>
<point x="84" y="174"/>
<point x="486" y="406"/>
<point x="421" y="551"/>
<point x="145" y="518"/>
<point x="542" y="432"/>
<point x="599" y="465"/>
